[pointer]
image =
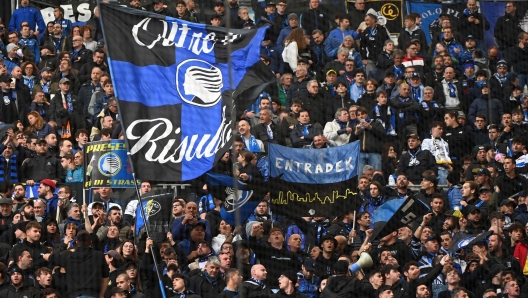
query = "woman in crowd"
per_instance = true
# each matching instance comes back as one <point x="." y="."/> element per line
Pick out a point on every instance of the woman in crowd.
<point x="37" y="126"/>
<point x="30" y="74"/>
<point x="89" y="43"/>
<point x="75" y="172"/>
<point x="293" y="44"/>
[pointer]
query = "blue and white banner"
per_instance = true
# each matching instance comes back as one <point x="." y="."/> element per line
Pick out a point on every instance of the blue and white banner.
<point x="106" y="164"/>
<point x="429" y="12"/>
<point x="314" y="166"/>
<point x="174" y="88"/>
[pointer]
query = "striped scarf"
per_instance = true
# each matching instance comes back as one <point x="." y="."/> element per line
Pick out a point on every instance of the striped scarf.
<point x="13" y="170"/>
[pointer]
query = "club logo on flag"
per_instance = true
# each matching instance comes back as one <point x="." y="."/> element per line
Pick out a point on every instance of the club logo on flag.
<point x="200" y="82"/>
<point x="152" y="208"/>
<point x="236" y="198"/>
<point x="109" y="164"/>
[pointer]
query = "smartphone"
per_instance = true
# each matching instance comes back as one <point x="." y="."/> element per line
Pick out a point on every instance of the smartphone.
<point x="13" y="81"/>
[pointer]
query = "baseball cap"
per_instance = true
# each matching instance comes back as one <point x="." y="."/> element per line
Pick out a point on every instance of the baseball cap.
<point x="271" y="3"/>
<point x="469" y="37"/>
<point x="45" y="69"/>
<point x="331" y="71"/>
<point x="484" y="188"/>
<point x="472" y="209"/>
<point x="483" y="171"/>
<point x="506" y="202"/>
<point x="502" y="63"/>
<point x="64" y="81"/>
<point x="415" y="75"/>
<point x="219" y="3"/>
<point x="48" y="47"/>
<point x="310" y="264"/>
<point x="293" y="16"/>
<point x="461" y="115"/>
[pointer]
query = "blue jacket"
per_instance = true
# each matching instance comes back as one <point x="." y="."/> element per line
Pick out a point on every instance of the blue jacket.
<point x="75" y="175"/>
<point x="480" y="106"/>
<point x="29" y="14"/>
<point x="330" y="46"/>
<point x="183" y="231"/>
<point x="310" y="287"/>
<point x="279" y="47"/>
<point x="338" y="34"/>
<point x="465" y="56"/>
<point x="10" y="64"/>
<point x="454" y="196"/>
<point x="33" y="46"/>
<point x="66" y="26"/>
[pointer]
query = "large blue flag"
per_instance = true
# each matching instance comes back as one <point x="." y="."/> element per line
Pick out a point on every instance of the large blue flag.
<point x="175" y="91"/>
<point x="242" y="200"/>
<point x="319" y="166"/>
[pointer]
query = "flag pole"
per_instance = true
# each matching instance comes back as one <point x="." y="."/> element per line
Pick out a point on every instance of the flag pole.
<point x="140" y="201"/>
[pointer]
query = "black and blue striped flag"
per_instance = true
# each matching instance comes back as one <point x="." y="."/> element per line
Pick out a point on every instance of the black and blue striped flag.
<point x="175" y="91"/>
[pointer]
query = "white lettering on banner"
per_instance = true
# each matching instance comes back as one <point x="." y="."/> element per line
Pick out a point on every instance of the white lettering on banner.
<point x="196" y="147"/>
<point x="178" y="37"/>
<point x="83" y="13"/>
<point x="290" y="165"/>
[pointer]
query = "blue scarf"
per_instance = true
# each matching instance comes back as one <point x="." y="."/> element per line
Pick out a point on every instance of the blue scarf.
<point x="30" y="82"/>
<point x="501" y="79"/>
<point x="305" y="129"/>
<point x="342" y="125"/>
<point x="398" y="72"/>
<point x="389" y="129"/>
<point x="45" y="87"/>
<point x="259" y="282"/>
<point x="57" y="42"/>
<point x="479" y="84"/>
<point x="416" y="94"/>
<point x="69" y="102"/>
<point x="209" y="278"/>
<point x="205" y="258"/>
<point x="452" y="90"/>
<point x="75" y="54"/>
<point x="71" y="220"/>
<point x="253" y="145"/>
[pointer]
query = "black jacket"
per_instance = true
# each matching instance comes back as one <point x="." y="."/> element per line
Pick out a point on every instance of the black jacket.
<point x="406" y="37"/>
<point x="56" y="105"/>
<point x="370" y="139"/>
<point x="202" y="287"/>
<point x="82" y="57"/>
<point x="372" y="42"/>
<point x="24" y="292"/>
<point x="36" y="250"/>
<point x="460" y="141"/>
<point x="89" y="266"/>
<point x="506" y="30"/>
<point x="426" y="161"/>
<point x="250" y="289"/>
<point x="297" y="133"/>
<point x="340" y="286"/>
<point x="315" y="19"/>
<point x="470" y="28"/>
<point x="85" y="73"/>
<point x="316" y="107"/>
<point x="282" y="294"/>
<point x="338" y="102"/>
<point x="274" y="260"/>
<point x="261" y="133"/>
<point x="41" y="167"/>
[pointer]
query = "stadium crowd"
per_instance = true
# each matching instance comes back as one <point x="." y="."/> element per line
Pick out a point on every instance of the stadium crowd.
<point x="448" y="117"/>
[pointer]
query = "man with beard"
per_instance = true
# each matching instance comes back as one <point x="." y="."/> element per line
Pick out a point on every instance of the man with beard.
<point x="204" y="251"/>
<point x="24" y="262"/>
<point x="27" y="212"/>
<point x="498" y="254"/>
<point x="451" y="222"/>
<point x="19" y="197"/>
<point x="46" y="191"/>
